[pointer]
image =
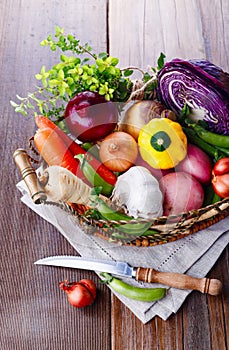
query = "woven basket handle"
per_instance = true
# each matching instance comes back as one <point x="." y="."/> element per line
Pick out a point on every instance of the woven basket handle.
<point x="178" y="280"/>
<point x="29" y="175"/>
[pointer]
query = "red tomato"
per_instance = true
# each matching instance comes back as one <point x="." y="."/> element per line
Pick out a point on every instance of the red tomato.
<point x="220" y="177"/>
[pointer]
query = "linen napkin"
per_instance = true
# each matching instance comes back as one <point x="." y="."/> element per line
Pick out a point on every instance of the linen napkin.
<point x="194" y="255"/>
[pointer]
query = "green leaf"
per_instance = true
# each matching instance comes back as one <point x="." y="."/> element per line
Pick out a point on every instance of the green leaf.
<point x="161" y="61"/>
<point x="44" y="42"/>
<point x="99" y="62"/>
<point x="38" y="76"/>
<point x="111" y="70"/>
<point x="128" y="72"/>
<point x="53" y="83"/>
<point x="103" y="55"/>
<point x="70" y="81"/>
<point x="59" y="31"/>
<point x="114" y="61"/>
<point x="20" y="98"/>
<point x="61" y="74"/>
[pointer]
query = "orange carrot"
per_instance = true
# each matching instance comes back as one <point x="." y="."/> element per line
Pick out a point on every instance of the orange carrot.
<point x="54" y="151"/>
<point x="107" y="175"/>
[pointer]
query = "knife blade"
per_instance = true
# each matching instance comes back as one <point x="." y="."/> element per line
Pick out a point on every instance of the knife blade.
<point x="145" y="274"/>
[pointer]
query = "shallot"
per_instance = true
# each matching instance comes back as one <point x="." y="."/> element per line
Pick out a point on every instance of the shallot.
<point x="80" y="294"/>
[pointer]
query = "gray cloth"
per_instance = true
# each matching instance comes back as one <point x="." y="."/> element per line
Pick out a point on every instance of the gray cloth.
<point x="194" y="255"/>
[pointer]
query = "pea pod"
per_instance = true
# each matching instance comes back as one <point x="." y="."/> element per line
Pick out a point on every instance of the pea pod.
<point x="134" y="229"/>
<point x="132" y="292"/>
<point x="213" y="151"/>
<point x="93" y="177"/>
<point x="210" y="137"/>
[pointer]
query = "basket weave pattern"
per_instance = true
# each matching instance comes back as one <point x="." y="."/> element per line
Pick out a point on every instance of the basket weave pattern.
<point x="164" y="229"/>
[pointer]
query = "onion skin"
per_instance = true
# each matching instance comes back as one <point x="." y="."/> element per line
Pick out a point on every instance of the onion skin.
<point x="220" y="177"/>
<point x="80" y="294"/>
<point x="158" y="173"/>
<point x="182" y="192"/>
<point x="90" y="117"/>
<point x="196" y="163"/>
<point x="139" y="114"/>
<point x="118" y="151"/>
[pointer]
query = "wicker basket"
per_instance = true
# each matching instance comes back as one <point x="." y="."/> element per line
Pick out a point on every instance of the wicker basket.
<point x="162" y="230"/>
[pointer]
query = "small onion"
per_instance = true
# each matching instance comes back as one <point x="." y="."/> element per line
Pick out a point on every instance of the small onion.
<point x="118" y="151"/>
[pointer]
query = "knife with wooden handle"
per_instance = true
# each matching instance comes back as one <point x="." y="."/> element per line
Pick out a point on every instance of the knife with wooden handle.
<point x="149" y="275"/>
<point x="179" y="280"/>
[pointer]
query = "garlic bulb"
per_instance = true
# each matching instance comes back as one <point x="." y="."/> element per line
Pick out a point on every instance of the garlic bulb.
<point x="137" y="191"/>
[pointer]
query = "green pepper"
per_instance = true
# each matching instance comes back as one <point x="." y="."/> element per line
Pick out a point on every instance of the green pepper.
<point x="93" y="149"/>
<point x="93" y="177"/>
<point x="132" y="292"/>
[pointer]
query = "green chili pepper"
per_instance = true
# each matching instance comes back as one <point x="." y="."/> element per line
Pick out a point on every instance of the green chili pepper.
<point x="93" y="177"/>
<point x="108" y="213"/>
<point x="132" y="292"/>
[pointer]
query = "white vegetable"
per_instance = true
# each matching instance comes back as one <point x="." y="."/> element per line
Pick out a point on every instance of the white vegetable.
<point x="138" y="192"/>
<point x="61" y="185"/>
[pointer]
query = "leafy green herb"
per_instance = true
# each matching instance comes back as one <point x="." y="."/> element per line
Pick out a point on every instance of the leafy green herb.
<point x="73" y="74"/>
<point x="78" y="71"/>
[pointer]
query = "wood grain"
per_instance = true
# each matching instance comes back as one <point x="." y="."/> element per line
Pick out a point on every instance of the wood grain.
<point x="34" y="311"/>
<point x="184" y="29"/>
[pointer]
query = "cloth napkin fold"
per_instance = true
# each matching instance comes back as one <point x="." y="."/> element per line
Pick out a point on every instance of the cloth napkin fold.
<point x="194" y="255"/>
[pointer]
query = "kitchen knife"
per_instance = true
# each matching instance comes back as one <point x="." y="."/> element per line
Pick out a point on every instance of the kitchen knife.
<point x="150" y="275"/>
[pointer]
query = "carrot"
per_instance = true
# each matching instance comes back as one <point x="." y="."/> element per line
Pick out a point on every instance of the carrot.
<point x="75" y="149"/>
<point x="54" y="151"/>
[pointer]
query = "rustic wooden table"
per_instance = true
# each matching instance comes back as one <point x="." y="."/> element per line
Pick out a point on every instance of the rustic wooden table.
<point x="34" y="312"/>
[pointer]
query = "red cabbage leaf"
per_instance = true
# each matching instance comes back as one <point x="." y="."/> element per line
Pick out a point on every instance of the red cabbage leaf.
<point x="199" y="84"/>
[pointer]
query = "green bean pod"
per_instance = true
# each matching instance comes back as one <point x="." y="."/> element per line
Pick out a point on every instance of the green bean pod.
<point x="210" y="137"/>
<point x="132" y="292"/>
<point x="134" y="229"/>
<point x="196" y="140"/>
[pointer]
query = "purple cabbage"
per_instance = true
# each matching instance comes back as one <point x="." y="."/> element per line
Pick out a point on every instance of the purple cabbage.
<point x="199" y="84"/>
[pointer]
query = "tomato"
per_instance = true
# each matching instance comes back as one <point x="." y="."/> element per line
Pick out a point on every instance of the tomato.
<point x="220" y="177"/>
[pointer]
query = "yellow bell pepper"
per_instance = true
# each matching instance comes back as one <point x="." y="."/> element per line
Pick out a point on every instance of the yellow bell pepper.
<point x="162" y="143"/>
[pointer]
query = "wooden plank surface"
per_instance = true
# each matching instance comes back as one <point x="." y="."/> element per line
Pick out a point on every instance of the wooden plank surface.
<point x="139" y="30"/>
<point x="34" y="312"/>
